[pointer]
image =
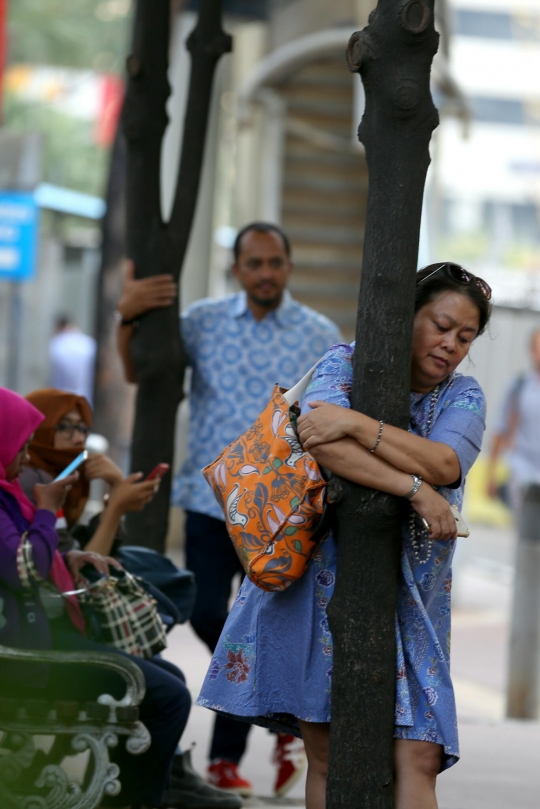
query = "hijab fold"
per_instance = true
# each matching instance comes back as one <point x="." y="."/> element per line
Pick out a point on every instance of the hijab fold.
<point x="18" y="420"/>
<point x="54" y="405"/>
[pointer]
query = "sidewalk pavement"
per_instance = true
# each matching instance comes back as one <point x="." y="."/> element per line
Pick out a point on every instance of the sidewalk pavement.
<point x="499" y="767"/>
<point x="500" y="760"/>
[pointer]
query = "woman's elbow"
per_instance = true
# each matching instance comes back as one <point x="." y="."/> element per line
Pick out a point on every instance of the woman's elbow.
<point x="447" y="469"/>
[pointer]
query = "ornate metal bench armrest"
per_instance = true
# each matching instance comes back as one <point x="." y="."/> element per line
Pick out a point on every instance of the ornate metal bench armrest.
<point x="125" y="668"/>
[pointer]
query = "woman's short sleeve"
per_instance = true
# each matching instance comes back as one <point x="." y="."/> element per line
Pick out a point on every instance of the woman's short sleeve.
<point x="462" y="422"/>
<point x="332" y="380"/>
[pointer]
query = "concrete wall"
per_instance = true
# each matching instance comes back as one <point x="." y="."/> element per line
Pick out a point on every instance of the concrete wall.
<point x="499" y="356"/>
<point x="306" y="16"/>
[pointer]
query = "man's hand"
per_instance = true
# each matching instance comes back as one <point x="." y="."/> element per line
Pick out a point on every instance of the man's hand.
<point x="140" y="295"/>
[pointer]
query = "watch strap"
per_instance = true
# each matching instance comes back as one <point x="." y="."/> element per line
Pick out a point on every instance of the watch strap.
<point x="417" y="482"/>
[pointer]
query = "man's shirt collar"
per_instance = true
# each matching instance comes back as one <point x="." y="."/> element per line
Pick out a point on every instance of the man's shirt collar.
<point x="239" y="307"/>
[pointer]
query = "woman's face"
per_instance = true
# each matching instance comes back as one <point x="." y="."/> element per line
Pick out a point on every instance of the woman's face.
<point x="443" y="332"/>
<point x="71" y="431"/>
<point x="14" y="469"/>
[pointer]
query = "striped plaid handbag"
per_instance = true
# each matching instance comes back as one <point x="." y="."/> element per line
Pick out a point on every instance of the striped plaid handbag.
<point x="127" y="614"/>
<point x="121" y="612"/>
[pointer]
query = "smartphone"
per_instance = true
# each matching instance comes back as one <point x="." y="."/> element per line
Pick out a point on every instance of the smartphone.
<point x="73" y="466"/>
<point x="462" y="530"/>
<point x="159" y="472"/>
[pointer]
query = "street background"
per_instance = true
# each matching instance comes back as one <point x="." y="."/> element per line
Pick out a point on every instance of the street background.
<point x="282" y="146"/>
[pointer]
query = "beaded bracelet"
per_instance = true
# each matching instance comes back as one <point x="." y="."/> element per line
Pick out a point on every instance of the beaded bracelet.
<point x="378" y="441"/>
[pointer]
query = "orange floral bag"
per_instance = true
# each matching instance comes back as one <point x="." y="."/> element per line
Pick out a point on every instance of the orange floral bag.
<point x="272" y="493"/>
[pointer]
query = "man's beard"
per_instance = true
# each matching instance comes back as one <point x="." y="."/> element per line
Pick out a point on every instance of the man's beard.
<point x="267" y="303"/>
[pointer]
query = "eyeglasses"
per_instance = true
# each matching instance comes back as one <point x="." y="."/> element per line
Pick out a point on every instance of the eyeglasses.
<point x="67" y="429"/>
<point x="462" y="276"/>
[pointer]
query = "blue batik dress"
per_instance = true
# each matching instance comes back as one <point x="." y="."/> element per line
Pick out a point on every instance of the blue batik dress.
<point x="273" y="663"/>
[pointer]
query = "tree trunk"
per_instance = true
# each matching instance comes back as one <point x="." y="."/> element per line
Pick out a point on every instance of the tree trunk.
<point x="393" y="54"/>
<point x="158" y="247"/>
<point x="113" y="397"/>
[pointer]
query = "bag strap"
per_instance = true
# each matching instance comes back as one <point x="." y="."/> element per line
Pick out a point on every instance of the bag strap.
<point x="26" y="569"/>
<point x="295" y="394"/>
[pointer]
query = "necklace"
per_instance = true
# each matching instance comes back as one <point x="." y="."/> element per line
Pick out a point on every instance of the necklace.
<point x="420" y="535"/>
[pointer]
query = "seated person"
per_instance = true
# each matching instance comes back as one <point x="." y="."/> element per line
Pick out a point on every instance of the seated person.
<point x="57" y="441"/>
<point x="147" y="780"/>
<point x="165" y="708"/>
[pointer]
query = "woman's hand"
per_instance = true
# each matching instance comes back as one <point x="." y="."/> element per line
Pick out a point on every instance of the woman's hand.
<point x="51" y="496"/>
<point x="76" y="560"/>
<point x="99" y="467"/>
<point x="436" y="511"/>
<point x="324" y="424"/>
<point x="132" y="494"/>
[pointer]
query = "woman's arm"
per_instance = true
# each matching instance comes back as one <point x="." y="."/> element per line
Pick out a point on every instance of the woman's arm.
<point x="129" y="495"/>
<point x="105" y="533"/>
<point x="434" y="461"/>
<point x="42" y="537"/>
<point x="346" y="458"/>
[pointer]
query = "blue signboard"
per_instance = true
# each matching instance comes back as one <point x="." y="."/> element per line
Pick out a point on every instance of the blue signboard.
<point x="18" y="235"/>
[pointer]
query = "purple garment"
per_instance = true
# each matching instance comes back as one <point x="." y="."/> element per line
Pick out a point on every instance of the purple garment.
<point x="23" y="622"/>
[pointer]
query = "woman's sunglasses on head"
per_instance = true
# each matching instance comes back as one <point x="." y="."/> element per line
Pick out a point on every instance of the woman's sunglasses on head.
<point x="462" y="276"/>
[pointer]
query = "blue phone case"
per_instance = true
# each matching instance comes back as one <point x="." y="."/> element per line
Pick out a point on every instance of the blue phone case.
<point x="73" y="466"/>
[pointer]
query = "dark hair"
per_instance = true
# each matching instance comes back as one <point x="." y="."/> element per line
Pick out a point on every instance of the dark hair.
<point x="62" y="321"/>
<point x="260" y="227"/>
<point x="442" y="282"/>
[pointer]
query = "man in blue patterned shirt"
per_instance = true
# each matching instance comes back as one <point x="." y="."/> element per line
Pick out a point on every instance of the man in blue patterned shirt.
<point x="238" y="347"/>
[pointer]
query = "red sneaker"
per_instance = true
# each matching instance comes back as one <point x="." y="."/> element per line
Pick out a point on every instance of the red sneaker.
<point x="224" y="774"/>
<point x="290" y="758"/>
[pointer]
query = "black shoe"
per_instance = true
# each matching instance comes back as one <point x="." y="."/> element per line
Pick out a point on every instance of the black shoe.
<point x="187" y="790"/>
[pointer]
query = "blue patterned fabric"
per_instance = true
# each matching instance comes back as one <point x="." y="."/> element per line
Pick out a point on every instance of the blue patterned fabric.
<point x="273" y="664"/>
<point x="235" y="362"/>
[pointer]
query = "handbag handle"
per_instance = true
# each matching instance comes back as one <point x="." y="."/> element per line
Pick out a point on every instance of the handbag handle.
<point x="82" y="590"/>
<point x="295" y="394"/>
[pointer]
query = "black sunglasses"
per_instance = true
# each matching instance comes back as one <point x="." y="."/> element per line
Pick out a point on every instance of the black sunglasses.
<point x="462" y="276"/>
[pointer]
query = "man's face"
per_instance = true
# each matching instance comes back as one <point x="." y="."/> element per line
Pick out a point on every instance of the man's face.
<point x="263" y="267"/>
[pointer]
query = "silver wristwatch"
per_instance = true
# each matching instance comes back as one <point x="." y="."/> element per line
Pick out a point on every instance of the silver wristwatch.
<point x="120" y="321"/>
<point x="417" y="482"/>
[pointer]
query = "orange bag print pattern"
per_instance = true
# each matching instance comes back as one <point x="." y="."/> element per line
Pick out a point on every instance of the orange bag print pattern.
<point x="273" y="497"/>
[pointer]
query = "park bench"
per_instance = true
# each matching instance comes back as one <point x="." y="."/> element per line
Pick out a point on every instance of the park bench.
<point x="32" y="778"/>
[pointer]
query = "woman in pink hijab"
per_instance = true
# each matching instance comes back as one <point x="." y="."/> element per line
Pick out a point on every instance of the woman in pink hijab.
<point x="29" y="620"/>
<point x="18" y="516"/>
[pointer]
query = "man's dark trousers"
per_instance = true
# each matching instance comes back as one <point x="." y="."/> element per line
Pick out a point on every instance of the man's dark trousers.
<point x="211" y="556"/>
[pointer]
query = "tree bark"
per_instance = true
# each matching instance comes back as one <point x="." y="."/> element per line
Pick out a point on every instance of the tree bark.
<point x="113" y="397"/>
<point x="157" y="246"/>
<point x="393" y="54"/>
